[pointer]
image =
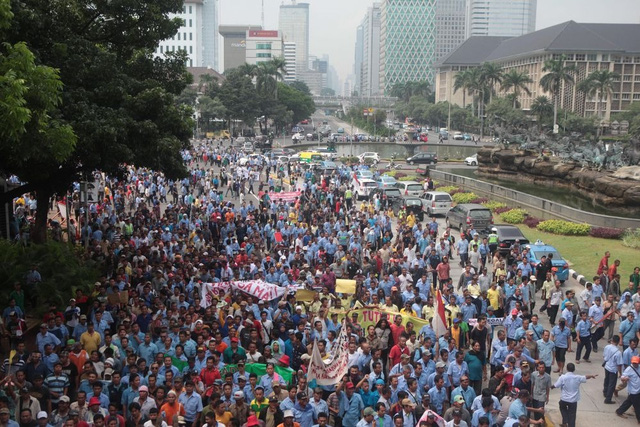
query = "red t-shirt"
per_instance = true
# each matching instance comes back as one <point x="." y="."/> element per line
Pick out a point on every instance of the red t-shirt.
<point x="396" y="353"/>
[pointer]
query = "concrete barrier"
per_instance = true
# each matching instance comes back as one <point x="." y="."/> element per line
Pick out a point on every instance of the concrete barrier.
<point x="537" y="206"/>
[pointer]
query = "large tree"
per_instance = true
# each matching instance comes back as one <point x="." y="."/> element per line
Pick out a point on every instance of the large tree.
<point x="516" y="81"/>
<point x="599" y="83"/>
<point x="118" y="99"/>
<point x="557" y="74"/>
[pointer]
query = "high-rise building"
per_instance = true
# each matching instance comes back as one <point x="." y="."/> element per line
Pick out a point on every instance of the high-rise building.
<point x="289" y="49"/>
<point x="198" y="36"/>
<point x="503" y="18"/>
<point x="407" y="42"/>
<point x="210" y="45"/>
<point x="359" y="52"/>
<point x="451" y="26"/>
<point x="294" y="26"/>
<point x="235" y="44"/>
<point x="370" y="68"/>
<point x="263" y="46"/>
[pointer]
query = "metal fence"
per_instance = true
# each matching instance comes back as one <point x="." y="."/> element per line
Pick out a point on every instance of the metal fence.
<point x="543" y="208"/>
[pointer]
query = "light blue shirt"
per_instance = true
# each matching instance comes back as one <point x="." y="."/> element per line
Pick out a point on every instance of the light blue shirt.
<point x="612" y="358"/>
<point x="438" y="397"/>
<point x="583" y="328"/>
<point x="569" y="384"/>
<point x="350" y="408"/>
<point x="561" y="336"/>
<point x="545" y="351"/>
<point x="475" y="420"/>
<point x="633" y="385"/>
<point x="627" y="330"/>
<point x="386" y="421"/>
<point x="469" y="395"/>
<point x="516" y="409"/>
<point x="456" y="371"/>
<point x="192" y="405"/>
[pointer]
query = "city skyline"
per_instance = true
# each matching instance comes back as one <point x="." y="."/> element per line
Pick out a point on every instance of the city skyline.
<point x="333" y="23"/>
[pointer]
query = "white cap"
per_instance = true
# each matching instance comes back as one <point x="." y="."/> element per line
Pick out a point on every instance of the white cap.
<point x="42" y="414"/>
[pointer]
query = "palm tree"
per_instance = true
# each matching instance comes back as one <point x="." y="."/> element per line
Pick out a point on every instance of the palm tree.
<point x="491" y="75"/>
<point x="557" y="74"/>
<point x="518" y="82"/>
<point x="599" y="83"/>
<point x="250" y="70"/>
<point x="541" y="107"/>
<point x="279" y="67"/>
<point x="462" y="80"/>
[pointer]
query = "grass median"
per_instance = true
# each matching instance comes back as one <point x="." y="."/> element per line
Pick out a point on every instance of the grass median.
<point x="583" y="253"/>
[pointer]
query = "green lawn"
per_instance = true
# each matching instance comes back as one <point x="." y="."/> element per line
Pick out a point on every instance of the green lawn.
<point x="583" y="252"/>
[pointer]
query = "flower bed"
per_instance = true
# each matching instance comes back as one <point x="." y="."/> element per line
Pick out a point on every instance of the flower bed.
<point x="565" y="228"/>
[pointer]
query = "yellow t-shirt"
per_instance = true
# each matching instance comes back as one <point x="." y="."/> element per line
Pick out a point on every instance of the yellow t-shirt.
<point x="494" y="298"/>
<point x="225" y="418"/>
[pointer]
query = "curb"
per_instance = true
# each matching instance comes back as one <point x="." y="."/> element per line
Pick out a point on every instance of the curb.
<point x="579" y="277"/>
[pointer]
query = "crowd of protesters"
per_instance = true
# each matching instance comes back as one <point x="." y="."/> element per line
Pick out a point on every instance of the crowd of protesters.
<point x="162" y="356"/>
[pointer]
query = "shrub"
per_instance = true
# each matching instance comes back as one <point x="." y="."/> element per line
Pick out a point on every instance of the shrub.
<point x="390" y="173"/>
<point x="408" y="178"/>
<point x="480" y="200"/>
<point x="464" y="197"/>
<point x="501" y="210"/>
<point x="514" y="216"/>
<point x="532" y="221"/>
<point x="566" y="228"/>
<point x="449" y="189"/>
<point x="400" y="175"/>
<point x="606" y="232"/>
<point x="631" y="238"/>
<point x="493" y="205"/>
<point x="349" y="159"/>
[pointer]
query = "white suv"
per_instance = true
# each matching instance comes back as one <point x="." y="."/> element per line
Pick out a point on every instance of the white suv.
<point x="375" y="157"/>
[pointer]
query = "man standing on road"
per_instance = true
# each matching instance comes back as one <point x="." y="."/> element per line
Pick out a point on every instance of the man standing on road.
<point x="631" y="377"/>
<point x="612" y="366"/>
<point x="569" y="385"/>
<point x="561" y="336"/>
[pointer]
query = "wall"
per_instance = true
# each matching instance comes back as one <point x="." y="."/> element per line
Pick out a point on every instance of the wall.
<point x="386" y="149"/>
<point x="535" y="205"/>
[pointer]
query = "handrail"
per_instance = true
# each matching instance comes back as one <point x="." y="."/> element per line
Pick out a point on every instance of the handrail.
<point x="543" y="206"/>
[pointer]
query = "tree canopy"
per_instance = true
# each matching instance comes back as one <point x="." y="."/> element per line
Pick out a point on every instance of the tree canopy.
<point x="110" y="102"/>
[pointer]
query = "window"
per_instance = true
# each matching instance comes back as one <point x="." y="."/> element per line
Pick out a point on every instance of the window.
<point x="636" y="96"/>
<point x="569" y="57"/>
<point x="190" y="49"/>
<point x="191" y="63"/>
<point x="627" y="59"/>
<point x="190" y="23"/>
<point x="626" y="78"/>
<point x="263" y="46"/>
<point x="190" y="9"/>
<point x="263" y="55"/>
<point x="625" y="96"/>
<point x="161" y="49"/>
<point x="579" y="56"/>
<point x="605" y="57"/>
<point x="592" y="57"/>
<point x="184" y="36"/>
<point x="178" y="36"/>
<point x="190" y="36"/>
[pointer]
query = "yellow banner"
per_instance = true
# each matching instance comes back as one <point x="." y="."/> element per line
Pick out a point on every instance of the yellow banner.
<point x="346" y="286"/>
<point x="305" y="295"/>
<point x="371" y="315"/>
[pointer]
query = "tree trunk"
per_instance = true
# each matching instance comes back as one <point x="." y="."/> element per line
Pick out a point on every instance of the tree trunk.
<point x="555" y="110"/>
<point x="600" y="116"/>
<point x="39" y="231"/>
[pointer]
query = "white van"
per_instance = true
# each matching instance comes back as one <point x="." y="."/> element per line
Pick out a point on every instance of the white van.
<point x="409" y="188"/>
<point x="362" y="188"/>
<point x="436" y="203"/>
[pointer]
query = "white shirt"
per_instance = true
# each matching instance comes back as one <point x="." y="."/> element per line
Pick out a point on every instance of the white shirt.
<point x="462" y="423"/>
<point x="569" y="384"/>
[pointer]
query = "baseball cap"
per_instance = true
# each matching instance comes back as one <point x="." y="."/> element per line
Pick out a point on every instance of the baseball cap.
<point x="65" y="399"/>
<point x="144" y="388"/>
<point x="288" y="413"/>
<point x="94" y="401"/>
<point x="350" y="385"/>
<point x="635" y="359"/>
<point x="273" y="399"/>
<point x="441" y="365"/>
<point x="369" y="411"/>
<point x="458" y="399"/>
<point x="514" y="312"/>
<point x="238" y="395"/>
<point x="41" y="415"/>
<point x="380" y="381"/>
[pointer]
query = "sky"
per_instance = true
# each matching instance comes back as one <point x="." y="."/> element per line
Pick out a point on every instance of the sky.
<point x="333" y="22"/>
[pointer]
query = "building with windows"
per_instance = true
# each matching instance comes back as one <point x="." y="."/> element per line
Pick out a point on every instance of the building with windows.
<point x="587" y="47"/>
<point x="235" y="44"/>
<point x="359" y="52"/>
<point x="198" y="36"/>
<point x="407" y="42"/>
<point x="263" y="45"/>
<point x="505" y="18"/>
<point x="451" y="26"/>
<point x="290" y="56"/>
<point x="370" y="65"/>
<point x="294" y="27"/>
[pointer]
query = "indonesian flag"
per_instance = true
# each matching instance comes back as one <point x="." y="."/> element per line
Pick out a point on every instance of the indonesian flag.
<point x="439" y="322"/>
<point x="355" y="177"/>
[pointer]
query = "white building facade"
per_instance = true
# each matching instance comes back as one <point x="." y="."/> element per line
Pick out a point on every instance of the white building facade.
<point x="263" y="45"/>
<point x="294" y="26"/>
<point x="502" y="18"/>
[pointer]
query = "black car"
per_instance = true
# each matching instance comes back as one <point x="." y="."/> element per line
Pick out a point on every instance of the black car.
<point x="389" y="197"/>
<point x="423" y="158"/>
<point x="507" y="235"/>
<point x="414" y="204"/>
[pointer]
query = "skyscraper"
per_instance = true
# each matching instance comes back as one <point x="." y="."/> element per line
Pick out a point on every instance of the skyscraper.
<point x="235" y="44"/>
<point x="451" y="26"/>
<point x="359" y="52"/>
<point x="407" y="42"/>
<point x="370" y="68"/>
<point x="289" y="49"/>
<point x="210" y="45"/>
<point x="294" y="26"/>
<point x="505" y="18"/>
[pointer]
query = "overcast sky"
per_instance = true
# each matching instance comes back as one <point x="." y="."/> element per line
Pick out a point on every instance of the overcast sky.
<point x="333" y="22"/>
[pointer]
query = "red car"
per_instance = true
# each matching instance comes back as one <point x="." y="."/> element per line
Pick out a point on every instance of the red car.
<point x="424" y="137"/>
<point x="305" y="122"/>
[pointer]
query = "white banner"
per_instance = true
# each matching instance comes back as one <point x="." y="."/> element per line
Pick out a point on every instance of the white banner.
<point x="330" y="371"/>
<point x="257" y="288"/>
<point x="491" y="321"/>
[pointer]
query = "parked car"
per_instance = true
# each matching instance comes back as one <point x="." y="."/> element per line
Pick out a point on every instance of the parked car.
<point x="389" y="197"/>
<point x="507" y="235"/>
<point x="372" y="155"/>
<point x="386" y="181"/>
<point x="538" y="249"/>
<point x="362" y="188"/>
<point x="304" y="122"/>
<point x="326" y="152"/>
<point x="458" y="136"/>
<point x="327" y="167"/>
<point x="340" y="130"/>
<point x="424" y="137"/>
<point x="463" y="215"/>
<point x="466" y="137"/>
<point x="363" y="174"/>
<point x="436" y="202"/>
<point x="423" y="158"/>
<point x="409" y="188"/>
<point x="471" y="160"/>
<point x="414" y="204"/>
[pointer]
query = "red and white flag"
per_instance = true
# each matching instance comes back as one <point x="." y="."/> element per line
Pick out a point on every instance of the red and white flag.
<point x="439" y="323"/>
<point x="355" y="177"/>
